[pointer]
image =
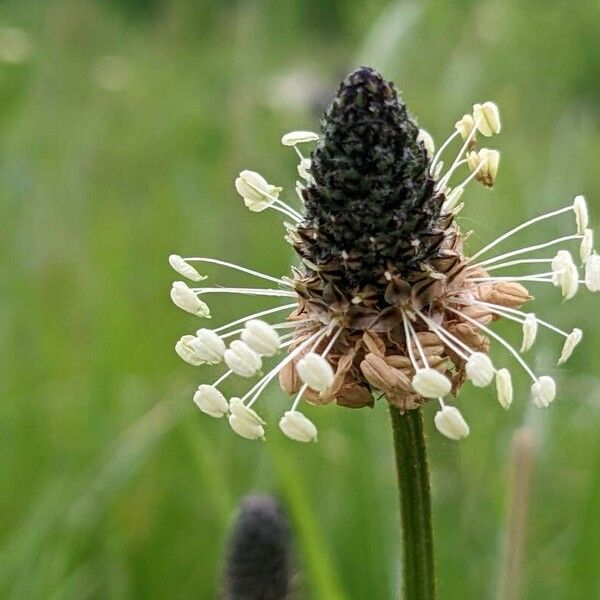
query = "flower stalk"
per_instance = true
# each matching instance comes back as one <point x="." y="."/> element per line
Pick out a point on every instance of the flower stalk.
<point x="415" y="504"/>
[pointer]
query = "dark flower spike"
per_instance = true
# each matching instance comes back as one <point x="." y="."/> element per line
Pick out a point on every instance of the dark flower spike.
<point x="386" y="301"/>
<point x="257" y="565"/>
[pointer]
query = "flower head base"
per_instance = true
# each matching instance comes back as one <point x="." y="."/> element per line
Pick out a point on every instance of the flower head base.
<point x="385" y="300"/>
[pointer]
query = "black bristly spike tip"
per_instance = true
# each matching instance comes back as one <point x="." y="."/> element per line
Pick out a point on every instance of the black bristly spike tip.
<point x="372" y="200"/>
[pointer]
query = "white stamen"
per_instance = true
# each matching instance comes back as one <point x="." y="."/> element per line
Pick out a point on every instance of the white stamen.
<point x="427" y="382"/>
<point x="246" y="291"/>
<point x="229" y="265"/>
<point x="435" y="159"/>
<point x="487" y="117"/>
<point x="210" y="401"/>
<point x="298" y="427"/>
<point x="245" y="421"/>
<point x="304" y="169"/>
<point x="262" y="313"/>
<point x="526" y="250"/>
<point x="262" y="384"/>
<point x="499" y="339"/>
<point x="502" y="310"/>
<point x="299" y="137"/>
<point x="183" y="297"/>
<point x="445" y="336"/>
<point x="512" y="263"/>
<point x="581" y="214"/>
<point x="186" y="351"/>
<point x="504" y="388"/>
<point x="529" y="329"/>
<point x="543" y="391"/>
<point x="479" y="369"/>
<point x="466" y="144"/>
<point x="425" y="138"/>
<point x="570" y="343"/>
<point x="452" y="199"/>
<point x="315" y="371"/>
<point x="592" y="273"/>
<point x="450" y="423"/>
<point x="181" y="266"/>
<point x="565" y="274"/>
<point x="242" y="360"/>
<point x="587" y="245"/>
<point x="208" y="346"/>
<point x="430" y="383"/>
<point x="261" y="337"/>
<point x="519" y="228"/>
<point x="533" y="277"/>
<point x="465" y="126"/>
<point x="257" y="193"/>
<point x="484" y="165"/>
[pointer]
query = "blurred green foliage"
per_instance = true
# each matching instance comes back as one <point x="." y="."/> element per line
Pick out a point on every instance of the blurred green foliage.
<point x="122" y="126"/>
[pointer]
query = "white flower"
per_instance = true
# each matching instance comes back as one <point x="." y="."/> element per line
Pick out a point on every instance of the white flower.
<point x="450" y="422"/>
<point x="299" y="137"/>
<point x="570" y="343"/>
<point x="581" y="214"/>
<point x="261" y="337"/>
<point x="209" y="346"/>
<point x="245" y="421"/>
<point x="186" y="351"/>
<point x="184" y="268"/>
<point x="242" y="360"/>
<point x="256" y="192"/>
<point x="487" y="117"/>
<point x="425" y="138"/>
<point x="430" y="383"/>
<point x="587" y="245"/>
<point x="530" y="329"/>
<point x="298" y="427"/>
<point x="504" y="387"/>
<point x="315" y="371"/>
<point x="480" y="369"/>
<point x="543" y="391"/>
<point x="184" y="298"/>
<point x="465" y="126"/>
<point x="592" y="273"/>
<point x="210" y="401"/>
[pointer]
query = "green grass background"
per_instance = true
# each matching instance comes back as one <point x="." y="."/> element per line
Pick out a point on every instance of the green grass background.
<point x="112" y="484"/>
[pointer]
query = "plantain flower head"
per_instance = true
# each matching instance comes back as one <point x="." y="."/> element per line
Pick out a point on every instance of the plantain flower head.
<point x="385" y="299"/>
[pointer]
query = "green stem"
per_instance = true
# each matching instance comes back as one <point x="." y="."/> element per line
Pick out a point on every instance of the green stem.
<point x="415" y="504"/>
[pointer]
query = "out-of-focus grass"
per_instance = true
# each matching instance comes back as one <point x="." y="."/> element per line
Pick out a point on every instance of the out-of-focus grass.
<point x="113" y="486"/>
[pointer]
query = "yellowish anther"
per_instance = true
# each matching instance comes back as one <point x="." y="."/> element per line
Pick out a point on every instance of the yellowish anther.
<point x="465" y="126"/>
<point x="425" y="138"/>
<point x="487" y="117"/>
<point x="485" y="164"/>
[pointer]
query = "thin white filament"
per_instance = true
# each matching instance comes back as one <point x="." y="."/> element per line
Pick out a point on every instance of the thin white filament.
<point x="229" y="265"/>
<point x="520" y="228"/>
<point x="262" y="313"/>
<point x="499" y="339"/>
